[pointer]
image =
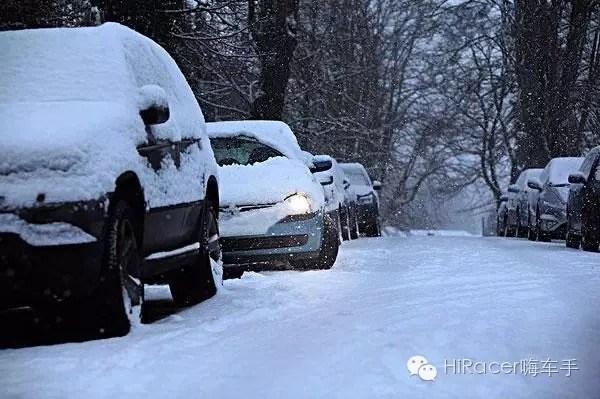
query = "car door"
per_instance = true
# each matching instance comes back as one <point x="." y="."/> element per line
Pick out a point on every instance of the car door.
<point x="175" y="189"/>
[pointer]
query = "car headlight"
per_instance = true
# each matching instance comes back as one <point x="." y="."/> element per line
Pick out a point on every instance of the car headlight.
<point x="298" y="204"/>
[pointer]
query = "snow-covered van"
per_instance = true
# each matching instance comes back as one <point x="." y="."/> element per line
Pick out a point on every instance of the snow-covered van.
<point x="272" y="207"/>
<point x="366" y="197"/>
<point x="107" y="178"/>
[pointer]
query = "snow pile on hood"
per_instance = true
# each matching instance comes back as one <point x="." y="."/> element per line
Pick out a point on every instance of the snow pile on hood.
<point x="275" y="134"/>
<point x="69" y="112"/>
<point x="559" y="169"/>
<point x="267" y="182"/>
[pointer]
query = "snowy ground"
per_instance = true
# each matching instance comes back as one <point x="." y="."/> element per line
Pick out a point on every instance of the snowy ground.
<point x="349" y="332"/>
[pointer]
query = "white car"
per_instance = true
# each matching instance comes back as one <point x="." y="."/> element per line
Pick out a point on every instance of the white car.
<point x="107" y="178"/>
<point x="340" y="197"/>
<point x="272" y="207"/>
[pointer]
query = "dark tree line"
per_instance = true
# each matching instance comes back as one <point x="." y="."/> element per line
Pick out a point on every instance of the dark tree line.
<point x="435" y="97"/>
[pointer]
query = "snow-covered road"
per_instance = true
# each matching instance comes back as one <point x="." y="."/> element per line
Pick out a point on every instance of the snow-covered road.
<point x="348" y="332"/>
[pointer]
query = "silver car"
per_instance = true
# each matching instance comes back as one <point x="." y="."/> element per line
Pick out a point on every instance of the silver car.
<point x="272" y="206"/>
<point x="548" y="203"/>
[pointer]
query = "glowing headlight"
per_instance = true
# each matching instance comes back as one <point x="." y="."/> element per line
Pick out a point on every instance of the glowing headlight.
<point x="298" y="204"/>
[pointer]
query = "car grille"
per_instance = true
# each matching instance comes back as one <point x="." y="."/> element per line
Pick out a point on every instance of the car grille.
<point x="254" y="243"/>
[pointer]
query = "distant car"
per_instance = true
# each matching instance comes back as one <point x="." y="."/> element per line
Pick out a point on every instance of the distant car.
<point x="107" y="179"/>
<point x="366" y="198"/>
<point x="272" y="207"/>
<point x="518" y="204"/>
<point x="548" y="218"/>
<point x="583" y="208"/>
<point x="501" y="216"/>
<point x="339" y="197"/>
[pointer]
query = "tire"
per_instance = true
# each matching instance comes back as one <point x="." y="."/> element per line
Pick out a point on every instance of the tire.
<point x="328" y="253"/>
<point x="195" y="283"/>
<point x="572" y="240"/>
<point x="373" y="229"/>
<point x="590" y="239"/>
<point x="354" y="231"/>
<point x="117" y="302"/>
<point x="229" y="274"/>
<point x="522" y="231"/>
<point x="508" y="230"/>
<point x="345" y="225"/>
<point x="531" y="231"/>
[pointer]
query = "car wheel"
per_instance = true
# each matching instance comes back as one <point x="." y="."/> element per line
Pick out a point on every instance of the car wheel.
<point x="197" y="282"/>
<point x="508" y="231"/>
<point x="345" y="225"/>
<point x="117" y="302"/>
<point x="328" y="252"/>
<point x="354" y="231"/>
<point x="589" y="238"/>
<point x="373" y="229"/>
<point x="572" y="240"/>
<point x="531" y="231"/>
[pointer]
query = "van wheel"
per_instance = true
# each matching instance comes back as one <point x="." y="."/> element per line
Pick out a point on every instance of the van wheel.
<point x="541" y="235"/>
<point x="329" y="249"/>
<point x="572" y="240"/>
<point x="346" y="227"/>
<point x="196" y="282"/>
<point x="589" y="238"/>
<point x="354" y="231"/>
<point x="117" y="302"/>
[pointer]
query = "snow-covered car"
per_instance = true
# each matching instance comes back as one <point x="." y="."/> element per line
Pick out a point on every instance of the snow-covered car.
<point x="107" y="178"/>
<point x="501" y="216"/>
<point x="367" y="199"/>
<point x="548" y="217"/>
<point x="340" y="199"/>
<point x="272" y="206"/>
<point x="583" y="206"/>
<point x="517" y="205"/>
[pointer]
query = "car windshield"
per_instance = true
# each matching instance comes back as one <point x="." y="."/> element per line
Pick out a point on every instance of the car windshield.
<point x="357" y="177"/>
<point x="241" y="151"/>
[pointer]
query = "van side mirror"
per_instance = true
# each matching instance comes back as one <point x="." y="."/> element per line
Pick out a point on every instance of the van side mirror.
<point x="153" y="105"/>
<point x="346" y="184"/>
<point x="321" y="165"/>
<point x="377" y="185"/>
<point x="577" y="178"/>
<point x="503" y="198"/>
<point x="513" y="188"/>
<point x="534" y="184"/>
<point x="326" y="181"/>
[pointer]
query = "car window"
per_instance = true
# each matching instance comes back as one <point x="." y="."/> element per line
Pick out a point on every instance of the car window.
<point x="357" y="177"/>
<point x="241" y="151"/>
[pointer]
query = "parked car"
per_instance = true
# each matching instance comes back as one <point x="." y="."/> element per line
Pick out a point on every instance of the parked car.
<point x="340" y="197"/>
<point x="366" y="198"/>
<point x="272" y="207"/>
<point x="583" y="206"/>
<point x="501" y="216"/>
<point x="107" y="180"/>
<point x="518" y="204"/>
<point x="548" y="218"/>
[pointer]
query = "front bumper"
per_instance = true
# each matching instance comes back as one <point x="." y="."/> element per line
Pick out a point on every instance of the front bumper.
<point x="50" y="254"/>
<point x="285" y="240"/>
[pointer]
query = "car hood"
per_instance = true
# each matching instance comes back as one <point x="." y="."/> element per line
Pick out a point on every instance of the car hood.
<point x="69" y="150"/>
<point x="267" y="182"/>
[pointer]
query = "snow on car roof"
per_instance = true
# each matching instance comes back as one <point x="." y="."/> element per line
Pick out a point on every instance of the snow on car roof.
<point x="69" y="114"/>
<point x="276" y="134"/>
<point x="108" y="63"/>
<point x="560" y="168"/>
